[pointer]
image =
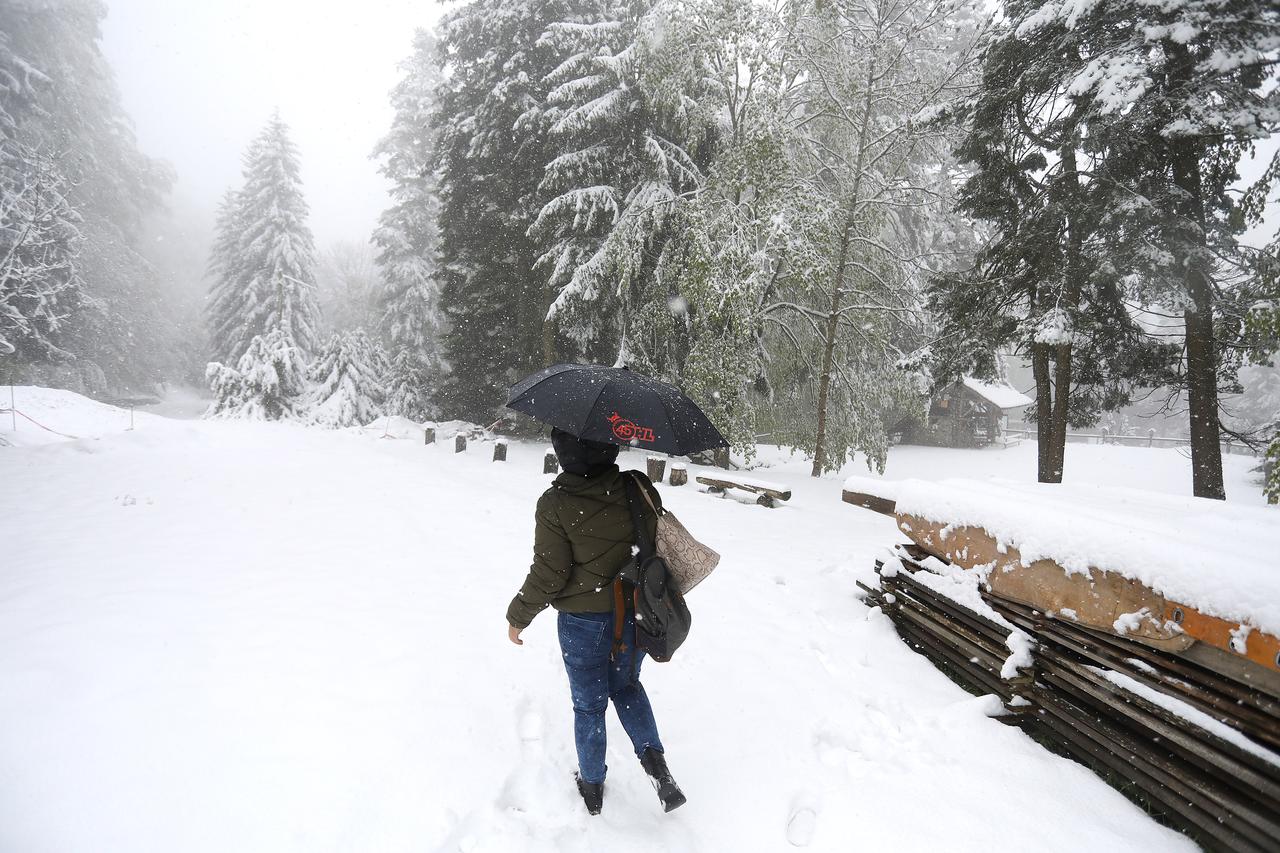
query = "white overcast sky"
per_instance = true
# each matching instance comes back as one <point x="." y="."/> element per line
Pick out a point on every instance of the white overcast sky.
<point x="200" y="79"/>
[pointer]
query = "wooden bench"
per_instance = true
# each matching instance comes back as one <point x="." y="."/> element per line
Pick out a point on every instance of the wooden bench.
<point x="769" y="493"/>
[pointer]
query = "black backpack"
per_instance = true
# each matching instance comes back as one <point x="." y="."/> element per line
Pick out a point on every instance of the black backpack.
<point x="662" y="617"/>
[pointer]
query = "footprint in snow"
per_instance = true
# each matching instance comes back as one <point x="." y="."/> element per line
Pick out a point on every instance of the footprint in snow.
<point x="801" y="826"/>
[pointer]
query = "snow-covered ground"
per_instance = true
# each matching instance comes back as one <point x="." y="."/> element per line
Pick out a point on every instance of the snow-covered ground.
<point x="261" y="637"/>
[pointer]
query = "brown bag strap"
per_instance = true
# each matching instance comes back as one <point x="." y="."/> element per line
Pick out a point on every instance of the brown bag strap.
<point x="619" y="616"/>
<point x="645" y="493"/>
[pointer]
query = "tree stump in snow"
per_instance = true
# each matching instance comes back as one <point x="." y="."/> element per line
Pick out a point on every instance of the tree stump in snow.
<point x="720" y="457"/>
<point x="656" y="468"/>
<point x="429" y="435"/>
<point x="550" y="464"/>
<point x="679" y="475"/>
<point x="459" y="443"/>
<point x="499" y="451"/>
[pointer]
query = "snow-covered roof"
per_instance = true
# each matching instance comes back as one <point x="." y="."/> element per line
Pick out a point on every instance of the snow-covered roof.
<point x="999" y="394"/>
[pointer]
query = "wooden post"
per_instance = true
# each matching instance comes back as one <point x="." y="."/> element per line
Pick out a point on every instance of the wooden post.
<point x="499" y="451"/>
<point x="679" y="474"/>
<point x="550" y="464"/>
<point x="720" y="457"/>
<point x="657" y="467"/>
<point x="459" y="443"/>
<point x="429" y="435"/>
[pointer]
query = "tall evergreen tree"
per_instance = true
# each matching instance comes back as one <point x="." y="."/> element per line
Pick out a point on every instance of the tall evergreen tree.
<point x="1049" y="280"/>
<point x="408" y="237"/>
<point x="264" y="256"/>
<point x="1184" y="92"/>
<point x="634" y="135"/>
<point x="263" y="312"/>
<point x="494" y="147"/>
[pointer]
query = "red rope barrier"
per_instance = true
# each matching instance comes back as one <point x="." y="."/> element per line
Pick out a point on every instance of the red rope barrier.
<point x="37" y="423"/>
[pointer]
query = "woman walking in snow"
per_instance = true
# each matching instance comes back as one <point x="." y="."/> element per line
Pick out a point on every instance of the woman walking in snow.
<point x="583" y="538"/>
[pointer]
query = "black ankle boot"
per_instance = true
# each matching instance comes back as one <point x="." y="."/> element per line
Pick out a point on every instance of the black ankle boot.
<point x="655" y="764"/>
<point x="592" y="794"/>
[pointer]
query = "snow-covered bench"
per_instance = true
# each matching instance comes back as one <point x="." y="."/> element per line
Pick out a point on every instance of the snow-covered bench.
<point x="769" y="493"/>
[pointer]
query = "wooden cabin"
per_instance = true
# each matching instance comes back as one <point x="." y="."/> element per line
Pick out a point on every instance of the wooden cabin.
<point x="968" y="413"/>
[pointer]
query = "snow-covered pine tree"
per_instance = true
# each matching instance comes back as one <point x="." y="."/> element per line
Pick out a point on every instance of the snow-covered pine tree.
<point x="1184" y="92"/>
<point x="347" y="381"/>
<point x="264" y="305"/>
<point x="493" y="150"/>
<point x="277" y="250"/>
<point x="1164" y="101"/>
<point x="1048" y="282"/>
<point x="267" y="383"/>
<point x="227" y="306"/>
<point x="632" y="119"/>
<point x="407" y="236"/>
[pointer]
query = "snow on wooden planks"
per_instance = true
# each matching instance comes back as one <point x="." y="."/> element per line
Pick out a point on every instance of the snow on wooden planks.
<point x="1163" y="570"/>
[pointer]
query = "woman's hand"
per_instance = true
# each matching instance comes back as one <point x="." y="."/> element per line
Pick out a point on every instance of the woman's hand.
<point x="514" y="633"/>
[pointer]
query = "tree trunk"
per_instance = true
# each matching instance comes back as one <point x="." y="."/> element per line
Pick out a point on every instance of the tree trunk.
<point x="828" y="361"/>
<point x="1202" y="356"/>
<point x="837" y="287"/>
<point x="1044" y="412"/>
<point x="1202" y="393"/>
<point x="1058" y="421"/>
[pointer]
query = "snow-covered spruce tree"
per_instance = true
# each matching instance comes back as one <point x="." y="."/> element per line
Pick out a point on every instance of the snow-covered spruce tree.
<point x="631" y="117"/>
<point x="1049" y="280"/>
<point x="347" y="381"/>
<point x="263" y="307"/>
<point x="264" y="274"/>
<point x="227" y="292"/>
<point x="744" y="230"/>
<point x="267" y="383"/>
<point x="408" y="238"/>
<point x="872" y="76"/>
<point x="1184" y="92"/>
<point x="493" y="150"/>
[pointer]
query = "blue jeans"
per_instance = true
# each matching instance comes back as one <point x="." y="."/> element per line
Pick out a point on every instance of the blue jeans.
<point x="585" y="641"/>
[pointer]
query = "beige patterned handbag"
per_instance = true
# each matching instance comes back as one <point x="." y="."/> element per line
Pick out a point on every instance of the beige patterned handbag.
<point x="687" y="559"/>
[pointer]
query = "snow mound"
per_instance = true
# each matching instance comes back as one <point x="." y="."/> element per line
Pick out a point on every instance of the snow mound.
<point x="1214" y="556"/>
<point x="392" y="426"/>
<point x="51" y="415"/>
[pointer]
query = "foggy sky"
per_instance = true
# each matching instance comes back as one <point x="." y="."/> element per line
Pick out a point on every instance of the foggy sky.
<point x="200" y="79"/>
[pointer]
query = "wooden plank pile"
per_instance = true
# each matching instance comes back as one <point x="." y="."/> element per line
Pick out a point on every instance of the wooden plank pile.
<point x="1190" y="730"/>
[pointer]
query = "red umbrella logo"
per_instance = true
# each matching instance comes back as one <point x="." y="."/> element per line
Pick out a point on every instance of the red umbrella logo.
<point x="626" y="430"/>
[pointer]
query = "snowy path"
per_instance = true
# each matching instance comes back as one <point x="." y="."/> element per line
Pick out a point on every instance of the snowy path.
<point x="264" y="638"/>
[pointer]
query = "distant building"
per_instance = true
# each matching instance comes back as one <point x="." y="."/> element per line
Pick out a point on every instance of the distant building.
<point x="969" y="413"/>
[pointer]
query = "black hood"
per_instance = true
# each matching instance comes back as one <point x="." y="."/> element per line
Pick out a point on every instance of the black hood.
<point x="584" y="458"/>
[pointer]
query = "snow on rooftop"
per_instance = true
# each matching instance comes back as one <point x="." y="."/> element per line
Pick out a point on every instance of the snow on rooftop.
<point x="1219" y="558"/>
<point x="1000" y="394"/>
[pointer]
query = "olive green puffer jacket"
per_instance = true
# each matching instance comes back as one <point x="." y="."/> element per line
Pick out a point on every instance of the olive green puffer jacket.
<point x="583" y="538"/>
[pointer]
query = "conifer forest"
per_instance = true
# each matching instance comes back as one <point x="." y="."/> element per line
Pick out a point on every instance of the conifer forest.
<point x="809" y="215"/>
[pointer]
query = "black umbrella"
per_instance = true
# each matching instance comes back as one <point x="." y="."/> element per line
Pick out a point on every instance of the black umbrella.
<point x="614" y="405"/>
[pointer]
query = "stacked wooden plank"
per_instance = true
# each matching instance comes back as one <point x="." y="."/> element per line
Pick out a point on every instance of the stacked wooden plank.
<point x="1189" y="729"/>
